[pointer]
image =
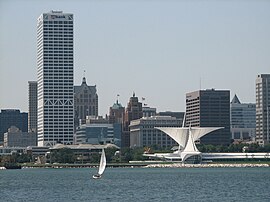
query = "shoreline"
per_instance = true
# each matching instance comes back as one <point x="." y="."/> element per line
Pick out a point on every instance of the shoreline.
<point x="149" y="165"/>
<point x="219" y="165"/>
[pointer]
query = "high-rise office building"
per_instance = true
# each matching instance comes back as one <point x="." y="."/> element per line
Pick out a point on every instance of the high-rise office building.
<point x="116" y="113"/>
<point x="32" y="106"/>
<point x="55" y="78"/>
<point x="210" y="108"/>
<point x="85" y="102"/>
<point x="133" y="111"/>
<point x="243" y="120"/>
<point x="12" y="117"/>
<point x="263" y="109"/>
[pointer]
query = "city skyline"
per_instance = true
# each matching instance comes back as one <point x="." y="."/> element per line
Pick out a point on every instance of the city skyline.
<point x="159" y="50"/>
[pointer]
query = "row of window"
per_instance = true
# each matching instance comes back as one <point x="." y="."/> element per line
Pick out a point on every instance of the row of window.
<point x="56" y="22"/>
<point x="69" y="36"/>
<point x="51" y="43"/>
<point x="62" y="59"/>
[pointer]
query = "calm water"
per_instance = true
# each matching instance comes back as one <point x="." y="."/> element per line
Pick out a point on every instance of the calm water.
<point x="136" y="184"/>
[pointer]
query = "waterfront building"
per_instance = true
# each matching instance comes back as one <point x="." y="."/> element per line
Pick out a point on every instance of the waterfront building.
<point x="32" y="106"/>
<point x="12" y="117"/>
<point x="16" y="138"/>
<point x="186" y="138"/>
<point x="210" y="108"/>
<point x="263" y="109"/>
<point x="98" y="133"/>
<point x="143" y="131"/>
<point x="85" y="102"/>
<point x="243" y="120"/>
<point x="55" y="78"/>
<point x="133" y="111"/>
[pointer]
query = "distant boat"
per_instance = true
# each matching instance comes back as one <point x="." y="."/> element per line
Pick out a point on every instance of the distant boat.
<point x="102" y="166"/>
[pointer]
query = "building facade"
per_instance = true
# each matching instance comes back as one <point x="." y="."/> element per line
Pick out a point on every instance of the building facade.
<point x="16" y="138"/>
<point x="263" y="109"/>
<point x="243" y="120"/>
<point x="210" y="108"/>
<point x="149" y="111"/>
<point x="32" y="106"/>
<point x="178" y="115"/>
<point x="94" y="133"/>
<point x="143" y="132"/>
<point x="12" y="117"/>
<point x="116" y="113"/>
<point x="133" y="111"/>
<point x="55" y="78"/>
<point x="85" y="102"/>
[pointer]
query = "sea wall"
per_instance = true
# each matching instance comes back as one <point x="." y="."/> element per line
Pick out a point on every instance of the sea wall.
<point x="180" y="165"/>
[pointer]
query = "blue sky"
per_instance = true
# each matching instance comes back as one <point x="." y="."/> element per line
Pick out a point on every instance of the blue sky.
<point x="158" y="49"/>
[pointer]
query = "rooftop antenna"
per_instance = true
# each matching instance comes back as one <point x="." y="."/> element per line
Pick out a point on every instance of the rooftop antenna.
<point x="200" y="83"/>
<point x="117" y="98"/>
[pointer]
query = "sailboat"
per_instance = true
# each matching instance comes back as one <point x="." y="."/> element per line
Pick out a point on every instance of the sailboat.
<point x="102" y="166"/>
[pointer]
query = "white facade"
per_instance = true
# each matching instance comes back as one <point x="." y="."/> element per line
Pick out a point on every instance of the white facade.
<point x="263" y="109"/>
<point x="55" y="78"/>
<point x="144" y="132"/>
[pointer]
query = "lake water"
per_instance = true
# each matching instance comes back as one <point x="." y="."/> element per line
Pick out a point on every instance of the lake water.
<point x="136" y="184"/>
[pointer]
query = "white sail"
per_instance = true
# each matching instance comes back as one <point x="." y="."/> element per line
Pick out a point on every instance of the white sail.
<point x="102" y="164"/>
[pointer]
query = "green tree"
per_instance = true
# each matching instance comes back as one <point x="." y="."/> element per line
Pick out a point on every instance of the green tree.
<point x="64" y="155"/>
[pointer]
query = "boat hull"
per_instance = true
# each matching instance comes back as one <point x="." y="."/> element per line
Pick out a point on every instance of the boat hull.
<point x="96" y="176"/>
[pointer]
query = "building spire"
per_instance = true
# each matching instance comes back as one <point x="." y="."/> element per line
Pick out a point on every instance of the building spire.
<point x="84" y="79"/>
<point x="117" y="98"/>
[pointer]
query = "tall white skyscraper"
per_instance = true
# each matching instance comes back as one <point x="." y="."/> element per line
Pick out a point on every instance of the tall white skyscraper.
<point x="263" y="109"/>
<point x="55" y="78"/>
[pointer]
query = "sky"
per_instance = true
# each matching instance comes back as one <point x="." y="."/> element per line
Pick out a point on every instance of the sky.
<point x="160" y="50"/>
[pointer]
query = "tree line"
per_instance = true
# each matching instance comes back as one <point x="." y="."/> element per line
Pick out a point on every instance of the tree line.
<point x="125" y="155"/>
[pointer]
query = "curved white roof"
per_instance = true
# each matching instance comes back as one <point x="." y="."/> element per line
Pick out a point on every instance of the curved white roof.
<point x="180" y="135"/>
<point x="186" y="137"/>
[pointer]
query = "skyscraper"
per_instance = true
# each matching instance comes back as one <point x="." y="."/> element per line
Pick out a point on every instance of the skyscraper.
<point x="263" y="109"/>
<point x="133" y="111"/>
<point x="210" y="108"/>
<point x="32" y="106"/>
<point x="55" y="78"/>
<point x="116" y="113"/>
<point x="85" y="102"/>
<point x="243" y="116"/>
